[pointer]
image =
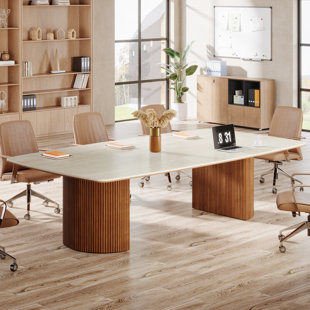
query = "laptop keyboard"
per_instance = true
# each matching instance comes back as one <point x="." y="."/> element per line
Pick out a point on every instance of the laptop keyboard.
<point x="231" y="147"/>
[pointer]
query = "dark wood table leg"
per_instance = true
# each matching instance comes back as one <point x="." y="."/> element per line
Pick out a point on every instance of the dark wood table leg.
<point x="96" y="215"/>
<point x="225" y="189"/>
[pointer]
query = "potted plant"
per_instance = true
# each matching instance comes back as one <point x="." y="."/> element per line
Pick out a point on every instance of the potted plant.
<point x="177" y="71"/>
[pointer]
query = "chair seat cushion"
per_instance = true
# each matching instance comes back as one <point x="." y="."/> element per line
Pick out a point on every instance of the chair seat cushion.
<point x="281" y="156"/>
<point x="9" y="220"/>
<point x="285" y="201"/>
<point x="31" y="176"/>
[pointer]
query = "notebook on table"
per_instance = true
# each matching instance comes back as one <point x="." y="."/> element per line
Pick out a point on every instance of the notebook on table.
<point x="225" y="140"/>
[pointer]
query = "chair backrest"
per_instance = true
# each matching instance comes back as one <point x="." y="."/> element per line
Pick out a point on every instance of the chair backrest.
<point x="89" y="128"/>
<point x="16" y="138"/>
<point x="287" y="123"/>
<point x="159" y="109"/>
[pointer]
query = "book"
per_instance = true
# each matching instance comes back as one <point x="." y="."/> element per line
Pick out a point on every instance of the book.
<point x="55" y="154"/>
<point x="185" y="135"/>
<point x="7" y="62"/>
<point x="85" y="80"/>
<point x="121" y="146"/>
<point x="257" y="104"/>
<point x="78" y="81"/>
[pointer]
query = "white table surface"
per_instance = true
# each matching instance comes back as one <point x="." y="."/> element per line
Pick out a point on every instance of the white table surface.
<point x="98" y="162"/>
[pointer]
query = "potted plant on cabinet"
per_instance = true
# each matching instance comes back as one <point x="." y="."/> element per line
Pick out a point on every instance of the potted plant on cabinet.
<point x="177" y="71"/>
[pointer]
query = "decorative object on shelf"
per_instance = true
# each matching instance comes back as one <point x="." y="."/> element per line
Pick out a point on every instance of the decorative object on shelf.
<point x="50" y="36"/>
<point x="60" y="34"/>
<point x="71" y="34"/>
<point x="216" y="68"/>
<point x="3" y="97"/>
<point x="40" y="2"/>
<point x="61" y="2"/>
<point x="5" y="56"/>
<point x="4" y="14"/>
<point x="177" y="71"/>
<point x="29" y="102"/>
<point x="155" y="123"/>
<point x="7" y="63"/>
<point x="56" y="65"/>
<point x="69" y="101"/>
<point x="36" y="34"/>
<point x="27" y="69"/>
<point x="81" y="81"/>
<point x="81" y="64"/>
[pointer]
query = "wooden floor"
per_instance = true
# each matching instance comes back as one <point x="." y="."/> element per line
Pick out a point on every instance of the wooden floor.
<point x="180" y="258"/>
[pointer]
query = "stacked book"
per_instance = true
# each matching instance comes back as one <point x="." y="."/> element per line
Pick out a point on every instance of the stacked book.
<point x="81" y="81"/>
<point x="254" y="98"/>
<point x="185" y="135"/>
<point x="120" y="146"/>
<point x="27" y="68"/>
<point x="81" y="64"/>
<point x="29" y="102"/>
<point x="216" y="68"/>
<point x="7" y="62"/>
<point x="61" y="2"/>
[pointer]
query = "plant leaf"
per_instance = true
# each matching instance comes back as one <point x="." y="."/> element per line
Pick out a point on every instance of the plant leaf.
<point x="172" y="76"/>
<point x="171" y="53"/>
<point x="185" y="89"/>
<point x="191" y="70"/>
<point x="186" y="50"/>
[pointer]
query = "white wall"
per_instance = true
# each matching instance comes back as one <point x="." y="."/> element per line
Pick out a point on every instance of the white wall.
<point x="103" y="59"/>
<point x="198" y="25"/>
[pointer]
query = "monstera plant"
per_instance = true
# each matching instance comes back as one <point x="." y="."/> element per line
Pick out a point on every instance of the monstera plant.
<point x="177" y="71"/>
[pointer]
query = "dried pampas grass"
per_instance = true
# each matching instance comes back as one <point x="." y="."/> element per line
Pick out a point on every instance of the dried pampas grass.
<point x="151" y="120"/>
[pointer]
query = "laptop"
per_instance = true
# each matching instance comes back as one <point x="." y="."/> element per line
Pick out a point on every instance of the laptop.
<point x="224" y="139"/>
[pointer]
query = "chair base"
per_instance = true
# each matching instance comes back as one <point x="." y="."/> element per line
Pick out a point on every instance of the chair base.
<point x="3" y="255"/>
<point x="297" y="228"/>
<point x="28" y="193"/>
<point x="275" y="171"/>
<point x="147" y="179"/>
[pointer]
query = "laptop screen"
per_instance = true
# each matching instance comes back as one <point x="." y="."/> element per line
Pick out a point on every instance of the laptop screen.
<point x="224" y="136"/>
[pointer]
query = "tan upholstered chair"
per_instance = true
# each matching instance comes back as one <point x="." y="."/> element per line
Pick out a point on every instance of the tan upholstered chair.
<point x="89" y="128"/>
<point x="286" y="123"/>
<point x="17" y="138"/>
<point x="159" y="109"/>
<point x="7" y="219"/>
<point x="295" y="202"/>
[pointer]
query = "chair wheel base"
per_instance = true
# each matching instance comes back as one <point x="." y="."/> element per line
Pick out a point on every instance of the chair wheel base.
<point x="27" y="217"/>
<point x="57" y="210"/>
<point x="13" y="267"/>
<point x="262" y="180"/>
<point x="282" y="248"/>
<point x="169" y="187"/>
<point x="280" y="236"/>
<point x="141" y="184"/>
<point x="274" y="190"/>
<point x="178" y="177"/>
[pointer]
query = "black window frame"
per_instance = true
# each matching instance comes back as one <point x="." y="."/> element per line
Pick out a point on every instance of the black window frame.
<point x="140" y="41"/>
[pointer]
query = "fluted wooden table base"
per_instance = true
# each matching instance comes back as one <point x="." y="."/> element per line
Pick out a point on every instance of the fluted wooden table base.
<point x="225" y="189"/>
<point x="96" y="215"/>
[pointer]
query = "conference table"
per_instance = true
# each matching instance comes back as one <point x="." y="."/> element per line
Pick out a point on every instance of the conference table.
<point x="96" y="181"/>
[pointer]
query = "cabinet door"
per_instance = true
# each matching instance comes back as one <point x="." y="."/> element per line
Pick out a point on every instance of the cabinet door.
<point x="32" y="117"/>
<point x="219" y="100"/>
<point x="69" y="114"/>
<point x="212" y="99"/>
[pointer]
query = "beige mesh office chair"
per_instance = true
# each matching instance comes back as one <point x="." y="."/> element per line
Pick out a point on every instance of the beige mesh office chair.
<point x="295" y="202"/>
<point x="159" y="109"/>
<point x="286" y="123"/>
<point x="89" y="128"/>
<point x="7" y="219"/>
<point x="17" y="138"/>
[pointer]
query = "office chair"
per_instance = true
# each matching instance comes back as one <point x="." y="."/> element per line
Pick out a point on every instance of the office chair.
<point x="294" y="202"/>
<point x="17" y="138"/>
<point x="89" y="128"/>
<point x="7" y="219"/>
<point x="159" y="109"/>
<point x="286" y="123"/>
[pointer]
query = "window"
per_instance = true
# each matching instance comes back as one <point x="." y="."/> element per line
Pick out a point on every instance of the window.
<point x="141" y="33"/>
<point x="304" y="61"/>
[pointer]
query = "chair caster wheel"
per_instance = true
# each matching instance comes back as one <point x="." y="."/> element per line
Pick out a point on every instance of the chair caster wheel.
<point x="262" y="180"/>
<point x="169" y="187"/>
<point x="57" y="210"/>
<point x="190" y="183"/>
<point x="2" y="256"/>
<point x="301" y="189"/>
<point x="280" y="236"/>
<point x="13" y="267"/>
<point x="274" y="190"/>
<point x="178" y="177"/>
<point x="141" y="184"/>
<point x="45" y="203"/>
<point x="27" y="217"/>
<point x="147" y="179"/>
<point x="9" y="204"/>
<point x="282" y="248"/>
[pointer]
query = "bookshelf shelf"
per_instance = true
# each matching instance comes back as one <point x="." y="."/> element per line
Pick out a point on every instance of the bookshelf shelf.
<point x="52" y="91"/>
<point x="44" y="75"/>
<point x="9" y="28"/>
<point x="53" y="108"/>
<point x="8" y="84"/>
<point x="57" y="41"/>
<point x="57" y="6"/>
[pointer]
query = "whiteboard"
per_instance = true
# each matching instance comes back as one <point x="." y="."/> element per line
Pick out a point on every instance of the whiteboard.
<point x="242" y="32"/>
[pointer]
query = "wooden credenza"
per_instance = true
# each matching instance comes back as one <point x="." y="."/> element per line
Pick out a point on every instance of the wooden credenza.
<point x="215" y="101"/>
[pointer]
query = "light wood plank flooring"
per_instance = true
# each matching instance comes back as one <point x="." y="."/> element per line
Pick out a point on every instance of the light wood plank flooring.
<point x="180" y="258"/>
